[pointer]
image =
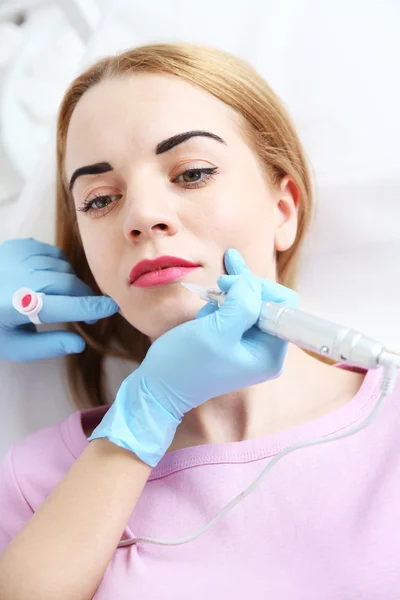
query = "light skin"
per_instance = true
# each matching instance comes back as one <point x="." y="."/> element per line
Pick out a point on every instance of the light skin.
<point x="154" y="208"/>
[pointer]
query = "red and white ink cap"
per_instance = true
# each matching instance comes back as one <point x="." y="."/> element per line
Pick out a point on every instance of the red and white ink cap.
<point x="29" y="303"/>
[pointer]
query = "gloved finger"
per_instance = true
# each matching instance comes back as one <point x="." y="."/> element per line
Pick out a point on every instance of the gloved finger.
<point x="208" y="309"/>
<point x="276" y="292"/>
<point x="240" y="310"/>
<point x="271" y="290"/>
<point x="47" y="263"/>
<point x="63" y="309"/>
<point x="225" y="282"/>
<point x="18" y="249"/>
<point x="234" y="262"/>
<point x="22" y="346"/>
<point x="57" y="284"/>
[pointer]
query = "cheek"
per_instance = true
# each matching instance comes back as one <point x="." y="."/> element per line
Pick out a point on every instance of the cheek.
<point x="238" y="214"/>
<point x="243" y="219"/>
<point x="103" y="261"/>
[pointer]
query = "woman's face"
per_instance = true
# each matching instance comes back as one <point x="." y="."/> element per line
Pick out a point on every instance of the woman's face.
<point x="154" y="203"/>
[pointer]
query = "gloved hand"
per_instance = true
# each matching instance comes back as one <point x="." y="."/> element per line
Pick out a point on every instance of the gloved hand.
<point x="219" y="352"/>
<point x="44" y="268"/>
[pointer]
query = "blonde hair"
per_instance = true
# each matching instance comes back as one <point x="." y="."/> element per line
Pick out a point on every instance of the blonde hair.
<point x="268" y="129"/>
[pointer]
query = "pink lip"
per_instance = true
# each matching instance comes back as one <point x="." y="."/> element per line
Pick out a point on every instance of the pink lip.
<point x="157" y="264"/>
<point x="162" y="276"/>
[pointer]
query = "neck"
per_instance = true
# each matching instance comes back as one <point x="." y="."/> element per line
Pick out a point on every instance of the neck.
<point x="306" y="389"/>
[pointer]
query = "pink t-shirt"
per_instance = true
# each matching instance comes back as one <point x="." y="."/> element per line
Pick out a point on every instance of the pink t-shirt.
<point x="324" y="523"/>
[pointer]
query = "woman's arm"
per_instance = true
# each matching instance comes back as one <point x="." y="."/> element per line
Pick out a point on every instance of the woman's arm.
<point x="64" y="549"/>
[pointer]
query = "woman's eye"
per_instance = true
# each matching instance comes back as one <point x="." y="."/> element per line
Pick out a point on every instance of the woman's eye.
<point x="193" y="176"/>
<point x="99" y="203"/>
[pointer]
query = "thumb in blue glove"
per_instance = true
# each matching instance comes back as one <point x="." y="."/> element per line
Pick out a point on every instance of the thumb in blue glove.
<point x="235" y="266"/>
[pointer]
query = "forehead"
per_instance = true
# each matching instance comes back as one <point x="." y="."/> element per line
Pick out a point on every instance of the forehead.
<point x="136" y="112"/>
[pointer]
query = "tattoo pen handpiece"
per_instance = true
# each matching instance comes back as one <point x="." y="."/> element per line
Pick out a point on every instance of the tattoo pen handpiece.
<point x="323" y="337"/>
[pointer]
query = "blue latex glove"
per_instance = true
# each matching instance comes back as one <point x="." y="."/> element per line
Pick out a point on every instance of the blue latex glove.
<point x="44" y="268"/>
<point x="221" y="351"/>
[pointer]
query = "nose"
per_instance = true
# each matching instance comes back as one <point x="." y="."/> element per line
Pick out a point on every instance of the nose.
<point x="147" y="218"/>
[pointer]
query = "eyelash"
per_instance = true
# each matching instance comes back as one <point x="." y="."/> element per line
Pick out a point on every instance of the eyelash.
<point x="208" y="171"/>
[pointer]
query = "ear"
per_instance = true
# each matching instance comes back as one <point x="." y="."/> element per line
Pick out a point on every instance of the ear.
<point x="287" y="205"/>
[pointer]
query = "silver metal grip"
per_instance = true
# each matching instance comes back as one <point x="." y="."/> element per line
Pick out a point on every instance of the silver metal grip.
<point x="319" y="335"/>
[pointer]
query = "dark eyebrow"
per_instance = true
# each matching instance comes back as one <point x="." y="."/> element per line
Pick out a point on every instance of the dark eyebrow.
<point x="163" y="146"/>
<point x="102" y="167"/>
<point x="173" y="141"/>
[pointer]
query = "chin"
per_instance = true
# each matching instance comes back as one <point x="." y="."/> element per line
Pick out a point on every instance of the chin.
<point x="154" y="325"/>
